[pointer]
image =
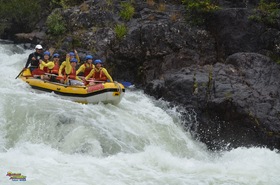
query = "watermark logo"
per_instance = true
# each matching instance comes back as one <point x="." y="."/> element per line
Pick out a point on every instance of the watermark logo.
<point x="16" y="176"/>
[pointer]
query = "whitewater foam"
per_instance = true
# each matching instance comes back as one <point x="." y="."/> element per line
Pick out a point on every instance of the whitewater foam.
<point x="140" y="141"/>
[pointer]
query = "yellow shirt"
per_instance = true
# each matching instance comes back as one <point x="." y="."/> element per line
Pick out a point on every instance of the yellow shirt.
<point x="103" y="70"/>
<point x="49" y="64"/>
<point x="69" y="68"/>
<point x="78" y="58"/>
<point x="83" y="67"/>
<point x="62" y="66"/>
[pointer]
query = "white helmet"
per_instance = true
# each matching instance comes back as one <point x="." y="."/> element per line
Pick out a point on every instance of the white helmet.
<point x="38" y="47"/>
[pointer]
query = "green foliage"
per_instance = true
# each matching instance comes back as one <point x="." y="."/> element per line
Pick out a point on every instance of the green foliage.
<point x="197" y="11"/>
<point x="56" y="24"/>
<point x="266" y="12"/>
<point x="24" y="13"/>
<point x="127" y="11"/>
<point x="120" y="30"/>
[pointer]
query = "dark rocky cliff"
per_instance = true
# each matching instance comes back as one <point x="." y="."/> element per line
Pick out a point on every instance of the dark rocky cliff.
<point x="222" y="71"/>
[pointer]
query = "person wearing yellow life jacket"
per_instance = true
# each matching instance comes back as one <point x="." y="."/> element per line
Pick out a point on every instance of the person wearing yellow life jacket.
<point x="86" y="67"/>
<point x="70" y="71"/>
<point x="55" y="69"/>
<point x="45" y="66"/>
<point x="63" y="64"/>
<point x="99" y="73"/>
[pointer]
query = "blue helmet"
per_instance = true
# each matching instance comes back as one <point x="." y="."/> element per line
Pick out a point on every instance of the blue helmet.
<point x="97" y="61"/>
<point x="72" y="54"/>
<point x="56" y="55"/>
<point x="74" y="60"/>
<point x="47" y="53"/>
<point x="89" y="57"/>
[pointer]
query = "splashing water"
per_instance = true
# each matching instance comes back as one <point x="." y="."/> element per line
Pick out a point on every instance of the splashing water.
<point x="140" y="141"/>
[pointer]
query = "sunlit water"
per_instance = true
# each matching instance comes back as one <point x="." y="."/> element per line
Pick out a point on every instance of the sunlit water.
<point x="138" y="142"/>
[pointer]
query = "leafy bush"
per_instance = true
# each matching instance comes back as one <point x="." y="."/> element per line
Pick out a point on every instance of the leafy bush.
<point x="23" y="13"/>
<point x="56" y="24"/>
<point x="197" y="11"/>
<point x="120" y="30"/>
<point x="267" y="12"/>
<point x="127" y="11"/>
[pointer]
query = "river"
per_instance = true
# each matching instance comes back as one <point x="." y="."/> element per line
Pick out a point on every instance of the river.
<point x="53" y="141"/>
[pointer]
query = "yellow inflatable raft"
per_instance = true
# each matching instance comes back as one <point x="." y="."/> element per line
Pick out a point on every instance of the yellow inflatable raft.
<point x="106" y="92"/>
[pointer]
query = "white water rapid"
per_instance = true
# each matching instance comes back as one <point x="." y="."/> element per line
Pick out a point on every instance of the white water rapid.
<point x="138" y="142"/>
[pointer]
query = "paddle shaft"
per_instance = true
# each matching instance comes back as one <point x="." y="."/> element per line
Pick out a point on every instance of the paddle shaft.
<point x="19" y="73"/>
<point x="94" y="81"/>
<point x="126" y="84"/>
<point x="51" y="74"/>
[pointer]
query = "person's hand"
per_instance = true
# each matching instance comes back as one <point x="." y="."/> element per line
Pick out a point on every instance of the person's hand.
<point x="59" y="77"/>
<point x="91" y="83"/>
<point x="75" y="51"/>
<point x="67" y="56"/>
<point x="33" y="58"/>
<point x="40" y="61"/>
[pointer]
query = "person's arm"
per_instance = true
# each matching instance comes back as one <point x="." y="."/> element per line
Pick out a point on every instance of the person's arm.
<point x="61" y="68"/>
<point x="77" y="56"/>
<point x="107" y="74"/>
<point x="28" y="60"/>
<point x="50" y="65"/>
<point x="42" y="65"/>
<point x="68" y="67"/>
<point x="90" y="74"/>
<point x="81" y="69"/>
<point x="77" y="78"/>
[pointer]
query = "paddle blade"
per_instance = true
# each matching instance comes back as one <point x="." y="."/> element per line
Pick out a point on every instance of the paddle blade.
<point x="126" y="84"/>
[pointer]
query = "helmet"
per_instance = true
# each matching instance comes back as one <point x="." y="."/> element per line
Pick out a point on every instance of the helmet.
<point x="38" y="46"/>
<point x="89" y="57"/>
<point x="72" y="54"/>
<point x="47" y="53"/>
<point x="97" y="61"/>
<point x="56" y="55"/>
<point x="74" y="60"/>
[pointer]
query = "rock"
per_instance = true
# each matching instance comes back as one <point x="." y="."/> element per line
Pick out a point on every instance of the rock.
<point x="237" y="103"/>
<point x="33" y="37"/>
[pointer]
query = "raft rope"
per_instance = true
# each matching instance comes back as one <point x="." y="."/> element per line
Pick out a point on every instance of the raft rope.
<point x="119" y="87"/>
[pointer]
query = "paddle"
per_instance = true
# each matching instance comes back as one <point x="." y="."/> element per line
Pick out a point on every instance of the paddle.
<point x="126" y="84"/>
<point x="50" y="74"/>
<point x="95" y="81"/>
<point x="51" y="50"/>
<point x="19" y="73"/>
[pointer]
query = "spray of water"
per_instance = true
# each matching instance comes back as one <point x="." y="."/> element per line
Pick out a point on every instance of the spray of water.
<point x="140" y="141"/>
